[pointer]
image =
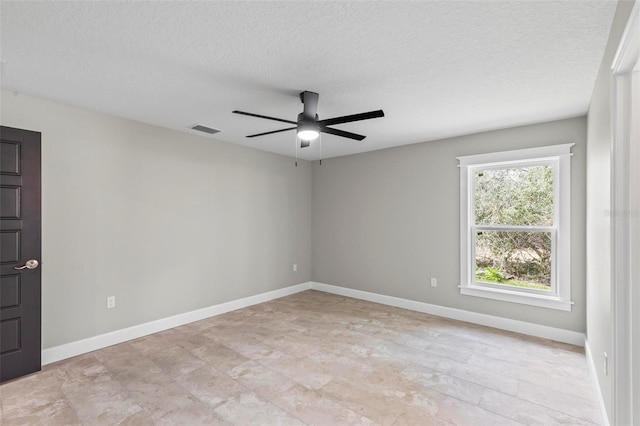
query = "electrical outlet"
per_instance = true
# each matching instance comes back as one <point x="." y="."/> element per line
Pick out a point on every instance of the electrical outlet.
<point x="434" y="282"/>
<point x="111" y="302"/>
<point x="295" y="267"/>
<point x="606" y="364"/>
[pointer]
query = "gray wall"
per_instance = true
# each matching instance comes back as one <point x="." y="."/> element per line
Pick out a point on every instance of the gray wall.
<point x="599" y="319"/>
<point x="387" y="221"/>
<point x="165" y="221"/>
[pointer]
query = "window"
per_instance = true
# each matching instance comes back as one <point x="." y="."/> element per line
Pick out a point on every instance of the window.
<point x="514" y="226"/>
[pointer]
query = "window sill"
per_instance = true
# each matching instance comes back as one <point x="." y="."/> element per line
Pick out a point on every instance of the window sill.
<point x="543" y="301"/>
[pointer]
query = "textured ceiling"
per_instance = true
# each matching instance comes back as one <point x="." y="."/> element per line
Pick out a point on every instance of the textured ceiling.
<point x="437" y="68"/>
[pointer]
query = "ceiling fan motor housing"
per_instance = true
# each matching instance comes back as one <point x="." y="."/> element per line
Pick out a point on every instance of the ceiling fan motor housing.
<point x="308" y="124"/>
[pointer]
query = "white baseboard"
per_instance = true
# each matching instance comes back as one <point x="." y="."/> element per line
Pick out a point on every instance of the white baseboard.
<point x="546" y="332"/>
<point x="68" y="350"/>
<point x="596" y="383"/>
<point x="79" y="347"/>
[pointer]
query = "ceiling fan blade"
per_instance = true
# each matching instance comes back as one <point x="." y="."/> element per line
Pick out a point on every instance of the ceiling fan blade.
<point x="263" y="116"/>
<point x="269" y="133"/>
<point x="310" y="101"/>
<point x="350" y="118"/>
<point x="342" y="133"/>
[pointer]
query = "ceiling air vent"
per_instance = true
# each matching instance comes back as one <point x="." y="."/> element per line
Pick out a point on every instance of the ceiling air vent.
<point x="204" y="129"/>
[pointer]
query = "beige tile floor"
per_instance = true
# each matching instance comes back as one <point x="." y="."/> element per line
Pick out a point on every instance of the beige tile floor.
<point x="313" y="358"/>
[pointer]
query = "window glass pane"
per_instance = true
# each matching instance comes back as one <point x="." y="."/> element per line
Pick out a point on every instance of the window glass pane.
<point x="514" y="196"/>
<point x="514" y="258"/>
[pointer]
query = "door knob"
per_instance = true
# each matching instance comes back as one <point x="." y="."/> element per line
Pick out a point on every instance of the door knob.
<point x="31" y="264"/>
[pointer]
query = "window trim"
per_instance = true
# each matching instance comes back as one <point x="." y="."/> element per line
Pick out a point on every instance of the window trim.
<point x="559" y="157"/>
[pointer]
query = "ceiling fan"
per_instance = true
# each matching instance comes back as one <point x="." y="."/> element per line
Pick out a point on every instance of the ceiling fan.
<point x="309" y="126"/>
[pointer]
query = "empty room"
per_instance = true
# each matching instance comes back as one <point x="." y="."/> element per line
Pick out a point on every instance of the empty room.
<point x="320" y="212"/>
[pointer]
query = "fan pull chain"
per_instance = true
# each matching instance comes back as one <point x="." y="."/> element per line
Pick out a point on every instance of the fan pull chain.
<point x="320" y="137"/>
<point x="297" y="142"/>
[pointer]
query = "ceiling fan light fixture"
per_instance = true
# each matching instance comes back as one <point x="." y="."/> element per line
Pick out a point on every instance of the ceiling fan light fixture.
<point x="308" y="134"/>
<point x="308" y="131"/>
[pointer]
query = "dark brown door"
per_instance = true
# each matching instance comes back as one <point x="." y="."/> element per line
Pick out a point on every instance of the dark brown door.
<point x="19" y="253"/>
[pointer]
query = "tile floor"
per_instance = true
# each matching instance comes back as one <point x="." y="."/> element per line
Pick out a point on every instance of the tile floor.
<point x="313" y="358"/>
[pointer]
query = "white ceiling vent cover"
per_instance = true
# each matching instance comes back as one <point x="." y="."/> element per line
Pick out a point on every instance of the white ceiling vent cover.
<point x="205" y="129"/>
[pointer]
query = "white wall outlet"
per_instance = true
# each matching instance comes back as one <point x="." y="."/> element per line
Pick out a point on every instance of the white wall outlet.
<point x="111" y="302"/>
<point x="295" y="267"/>
<point x="606" y="364"/>
<point x="434" y="282"/>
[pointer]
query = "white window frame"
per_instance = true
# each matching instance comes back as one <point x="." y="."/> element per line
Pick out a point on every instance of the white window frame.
<point x="557" y="156"/>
